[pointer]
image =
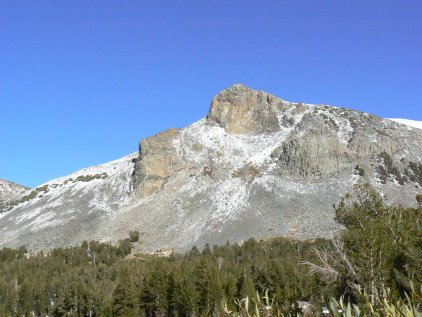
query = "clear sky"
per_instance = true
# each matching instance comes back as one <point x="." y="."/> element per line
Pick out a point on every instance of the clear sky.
<point x="81" y="82"/>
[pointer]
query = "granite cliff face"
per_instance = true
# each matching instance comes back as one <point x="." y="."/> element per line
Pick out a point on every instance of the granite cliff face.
<point x="255" y="166"/>
<point x="9" y="190"/>
<point x="246" y="111"/>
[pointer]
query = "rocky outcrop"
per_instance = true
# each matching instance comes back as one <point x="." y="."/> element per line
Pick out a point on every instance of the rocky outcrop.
<point x="255" y="166"/>
<point x="156" y="162"/>
<point x="314" y="156"/>
<point x="239" y="109"/>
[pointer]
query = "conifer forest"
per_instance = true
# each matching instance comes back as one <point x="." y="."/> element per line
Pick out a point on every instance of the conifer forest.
<point x="377" y="255"/>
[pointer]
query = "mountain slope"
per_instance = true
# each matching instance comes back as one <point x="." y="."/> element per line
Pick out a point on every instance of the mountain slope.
<point x="9" y="190"/>
<point x="66" y="208"/>
<point x="255" y="166"/>
<point x="410" y="123"/>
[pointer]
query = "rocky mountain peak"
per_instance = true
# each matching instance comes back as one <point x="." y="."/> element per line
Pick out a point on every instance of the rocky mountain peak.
<point x="257" y="166"/>
<point x="242" y="110"/>
<point x="235" y="94"/>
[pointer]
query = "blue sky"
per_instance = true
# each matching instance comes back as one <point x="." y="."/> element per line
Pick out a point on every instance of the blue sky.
<point x="81" y="82"/>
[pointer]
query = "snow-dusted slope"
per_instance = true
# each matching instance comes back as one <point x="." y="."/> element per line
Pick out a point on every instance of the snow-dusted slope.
<point x="9" y="190"/>
<point x="255" y="166"/>
<point x="68" y="208"/>
<point x="410" y="123"/>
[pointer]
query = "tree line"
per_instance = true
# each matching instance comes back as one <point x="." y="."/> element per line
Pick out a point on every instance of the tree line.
<point x="380" y="249"/>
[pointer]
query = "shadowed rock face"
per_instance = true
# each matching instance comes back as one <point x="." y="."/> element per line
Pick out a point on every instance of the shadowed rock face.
<point x="255" y="166"/>
<point x="9" y="190"/>
<point x="156" y="162"/>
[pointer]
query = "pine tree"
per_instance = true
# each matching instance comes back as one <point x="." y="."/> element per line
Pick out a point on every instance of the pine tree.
<point x="124" y="297"/>
<point x="247" y="288"/>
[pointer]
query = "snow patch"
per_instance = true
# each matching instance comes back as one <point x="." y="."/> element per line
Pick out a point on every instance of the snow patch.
<point x="203" y="140"/>
<point x="410" y="123"/>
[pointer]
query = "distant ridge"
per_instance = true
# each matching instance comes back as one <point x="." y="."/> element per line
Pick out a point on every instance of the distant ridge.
<point x="9" y="190"/>
<point x="410" y="123"/>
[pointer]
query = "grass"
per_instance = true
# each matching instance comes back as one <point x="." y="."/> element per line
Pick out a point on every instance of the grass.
<point x="86" y="178"/>
<point x="380" y="306"/>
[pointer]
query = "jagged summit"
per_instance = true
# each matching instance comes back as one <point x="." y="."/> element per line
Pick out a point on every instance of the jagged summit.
<point x="240" y="109"/>
<point x="233" y="93"/>
<point x="257" y="166"/>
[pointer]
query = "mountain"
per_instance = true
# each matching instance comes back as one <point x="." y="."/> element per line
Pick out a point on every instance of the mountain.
<point x="9" y="190"/>
<point x="255" y="166"/>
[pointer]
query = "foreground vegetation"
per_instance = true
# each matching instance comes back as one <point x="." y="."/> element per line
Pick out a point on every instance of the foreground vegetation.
<point x="99" y="279"/>
<point x="384" y="306"/>
<point x="374" y="266"/>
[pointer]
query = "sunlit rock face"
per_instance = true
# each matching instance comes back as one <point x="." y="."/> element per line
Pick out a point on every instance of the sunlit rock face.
<point x="256" y="166"/>
<point x="239" y="109"/>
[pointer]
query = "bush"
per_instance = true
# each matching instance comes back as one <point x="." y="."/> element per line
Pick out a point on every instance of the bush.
<point x="359" y="170"/>
<point x="134" y="236"/>
<point x="419" y="199"/>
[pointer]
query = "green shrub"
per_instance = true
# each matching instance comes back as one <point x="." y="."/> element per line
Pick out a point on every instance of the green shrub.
<point x="134" y="236"/>
<point x="359" y="170"/>
<point x="419" y="199"/>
